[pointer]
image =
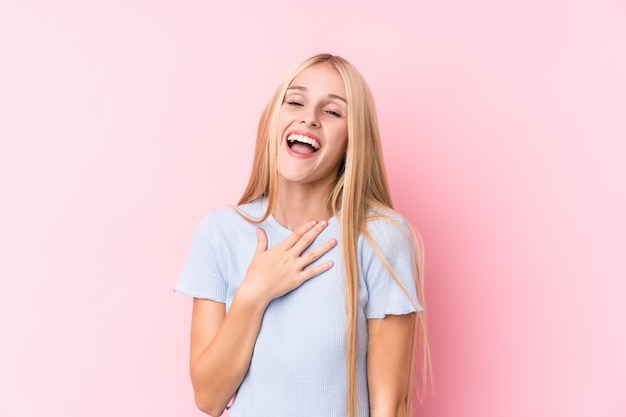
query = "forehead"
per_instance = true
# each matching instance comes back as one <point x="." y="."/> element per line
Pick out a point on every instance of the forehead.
<point x="320" y="78"/>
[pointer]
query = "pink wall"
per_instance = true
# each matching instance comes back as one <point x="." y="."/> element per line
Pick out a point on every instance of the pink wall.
<point x="122" y="123"/>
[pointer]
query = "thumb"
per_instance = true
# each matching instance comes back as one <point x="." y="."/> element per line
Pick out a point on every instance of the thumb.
<point x="261" y="245"/>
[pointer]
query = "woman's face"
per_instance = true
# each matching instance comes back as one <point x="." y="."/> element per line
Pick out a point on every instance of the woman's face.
<point x="313" y="127"/>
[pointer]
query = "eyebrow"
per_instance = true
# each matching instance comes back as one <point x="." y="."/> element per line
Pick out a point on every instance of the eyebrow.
<point x="297" y="87"/>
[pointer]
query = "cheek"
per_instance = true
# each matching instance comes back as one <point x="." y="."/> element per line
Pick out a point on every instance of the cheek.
<point x="342" y="133"/>
<point x="342" y="149"/>
<point x="343" y="140"/>
<point x="280" y="121"/>
<point x="283" y="118"/>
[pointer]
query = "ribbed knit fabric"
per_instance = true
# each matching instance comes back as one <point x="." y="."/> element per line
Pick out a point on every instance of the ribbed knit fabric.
<point x="298" y="368"/>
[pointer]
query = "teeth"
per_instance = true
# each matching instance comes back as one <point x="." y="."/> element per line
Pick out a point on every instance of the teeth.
<point x="304" y="139"/>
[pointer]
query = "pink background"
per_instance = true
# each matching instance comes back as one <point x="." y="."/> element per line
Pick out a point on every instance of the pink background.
<point x="504" y="124"/>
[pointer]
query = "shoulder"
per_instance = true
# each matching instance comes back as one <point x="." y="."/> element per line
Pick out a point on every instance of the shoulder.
<point x="390" y="258"/>
<point x="229" y="216"/>
<point x="384" y="224"/>
<point x="218" y="218"/>
<point x="227" y="222"/>
<point x="389" y="234"/>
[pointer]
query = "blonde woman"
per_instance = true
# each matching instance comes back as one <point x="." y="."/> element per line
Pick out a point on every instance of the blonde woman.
<point x="306" y="293"/>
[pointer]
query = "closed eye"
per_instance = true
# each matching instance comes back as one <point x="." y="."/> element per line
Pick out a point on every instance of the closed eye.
<point x="294" y="103"/>
<point x="333" y="113"/>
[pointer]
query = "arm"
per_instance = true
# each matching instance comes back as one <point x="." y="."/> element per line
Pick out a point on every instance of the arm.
<point x="390" y="347"/>
<point x="222" y="344"/>
<point x="221" y="347"/>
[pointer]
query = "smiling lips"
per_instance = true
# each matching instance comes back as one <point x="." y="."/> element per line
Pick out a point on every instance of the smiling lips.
<point x="303" y="144"/>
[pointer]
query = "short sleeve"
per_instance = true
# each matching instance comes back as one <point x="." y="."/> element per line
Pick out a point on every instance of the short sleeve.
<point x="387" y="295"/>
<point x="202" y="276"/>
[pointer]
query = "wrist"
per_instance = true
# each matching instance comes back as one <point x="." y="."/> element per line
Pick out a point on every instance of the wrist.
<point x="251" y="299"/>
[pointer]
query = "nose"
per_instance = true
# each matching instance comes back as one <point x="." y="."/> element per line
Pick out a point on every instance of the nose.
<point x="310" y="119"/>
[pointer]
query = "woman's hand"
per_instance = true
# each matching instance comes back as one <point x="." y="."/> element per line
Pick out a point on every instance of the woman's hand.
<point x="275" y="272"/>
<point x="222" y="344"/>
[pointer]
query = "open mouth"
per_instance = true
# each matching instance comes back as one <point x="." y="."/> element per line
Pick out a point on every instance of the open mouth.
<point x="302" y="144"/>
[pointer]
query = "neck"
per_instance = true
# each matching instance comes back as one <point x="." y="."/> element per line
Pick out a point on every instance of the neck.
<point x="298" y="204"/>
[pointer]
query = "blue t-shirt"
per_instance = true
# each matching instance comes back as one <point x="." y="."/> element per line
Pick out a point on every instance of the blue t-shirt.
<point x="298" y="367"/>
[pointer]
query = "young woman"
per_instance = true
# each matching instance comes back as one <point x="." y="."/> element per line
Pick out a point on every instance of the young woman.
<point x="306" y="294"/>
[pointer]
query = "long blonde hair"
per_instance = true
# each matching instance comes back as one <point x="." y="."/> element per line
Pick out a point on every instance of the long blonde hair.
<point x="361" y="185"/>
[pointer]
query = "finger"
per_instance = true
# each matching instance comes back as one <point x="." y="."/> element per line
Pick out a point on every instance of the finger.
<point x="293" y="238"/>
<point x="314" y="271"/>
<point x="307" y="238"/>
<point x="314" y="254"/>
<point x="261" y="244"/>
